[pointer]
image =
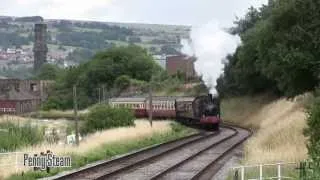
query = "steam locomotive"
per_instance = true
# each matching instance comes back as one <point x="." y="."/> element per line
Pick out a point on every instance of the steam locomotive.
<point x="203" y="111"/>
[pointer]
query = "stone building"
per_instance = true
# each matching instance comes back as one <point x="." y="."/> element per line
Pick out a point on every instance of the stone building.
<point x="22" y="96"/>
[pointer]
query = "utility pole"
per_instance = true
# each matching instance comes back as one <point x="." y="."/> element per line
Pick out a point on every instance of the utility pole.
<point x="104" y="93"/>
<point x="75" y="108"/>
<point x="99" y="91"/>
<point x="150" y="105"/>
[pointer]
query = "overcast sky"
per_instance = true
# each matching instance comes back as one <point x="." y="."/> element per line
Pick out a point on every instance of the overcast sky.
<point x="189" y="12"/>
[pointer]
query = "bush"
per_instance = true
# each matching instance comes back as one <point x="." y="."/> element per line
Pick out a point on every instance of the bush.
<point x="312" y="131"/>
<point x="122" y="82"/>
<point x="14" y="136"/>
<point x="104" y="117"/>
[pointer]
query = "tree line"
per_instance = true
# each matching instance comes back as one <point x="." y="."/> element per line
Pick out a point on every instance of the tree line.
<point x="279" y="52"/>
<point x="105" y="69"/>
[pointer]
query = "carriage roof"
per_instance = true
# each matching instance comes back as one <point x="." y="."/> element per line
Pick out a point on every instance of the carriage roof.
<point x="155" y="99"/>
<point x="124" y="100"/>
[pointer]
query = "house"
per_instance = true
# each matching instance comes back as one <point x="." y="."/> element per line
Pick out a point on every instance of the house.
<point x="22" y="96"/>
<point x="181" y="63"/>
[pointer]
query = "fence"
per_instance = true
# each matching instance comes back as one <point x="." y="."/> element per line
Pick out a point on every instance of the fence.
<point x="278" y="171"/>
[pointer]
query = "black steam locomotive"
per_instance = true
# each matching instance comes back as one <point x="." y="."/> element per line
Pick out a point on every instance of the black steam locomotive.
<point x="203" y="111"/>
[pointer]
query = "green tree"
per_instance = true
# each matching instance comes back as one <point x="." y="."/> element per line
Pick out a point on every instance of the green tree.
<point x="104" y="117"/>
<point x="122" y="82"/>
<point x="131" y="62"/>
<point x="279" y="51"/>
<point x="49" y="72"/>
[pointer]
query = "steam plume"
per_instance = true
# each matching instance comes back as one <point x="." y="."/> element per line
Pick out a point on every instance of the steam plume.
<point x="210" y="44"/>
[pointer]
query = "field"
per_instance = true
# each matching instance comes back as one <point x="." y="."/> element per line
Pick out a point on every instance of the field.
<point x="104" y="145"/>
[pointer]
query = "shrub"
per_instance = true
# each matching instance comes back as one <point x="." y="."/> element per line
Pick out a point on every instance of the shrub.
<point x="122" y="82"/>
<point x="312" y="131"/>
<point x="104" y="117"/>
<point x="14" y="136"/>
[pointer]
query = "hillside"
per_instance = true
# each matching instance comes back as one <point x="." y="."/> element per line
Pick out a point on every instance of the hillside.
<point x="77" y="41"/>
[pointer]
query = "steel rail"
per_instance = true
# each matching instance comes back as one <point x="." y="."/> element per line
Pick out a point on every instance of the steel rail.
<point x="205" y="171"/>
<point x="175" y="143"/>
<point x="168" y="170"/>
<point x="139" y="163"/>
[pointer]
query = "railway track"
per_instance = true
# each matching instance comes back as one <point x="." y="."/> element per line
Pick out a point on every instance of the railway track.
<point x="192" y="157"/>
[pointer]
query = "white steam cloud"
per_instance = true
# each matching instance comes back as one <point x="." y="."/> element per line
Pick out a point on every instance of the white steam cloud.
<point x="210" y="44"/>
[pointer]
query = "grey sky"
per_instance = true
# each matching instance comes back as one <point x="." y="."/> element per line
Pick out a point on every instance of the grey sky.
<point x="191" y="12"/>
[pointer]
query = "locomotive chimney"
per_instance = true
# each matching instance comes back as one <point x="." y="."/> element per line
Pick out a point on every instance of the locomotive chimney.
<point x="210" y="97"/>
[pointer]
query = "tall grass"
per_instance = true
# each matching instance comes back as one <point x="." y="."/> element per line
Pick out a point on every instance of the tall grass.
<point x="14" y="136"/>
<point x="278" y="126"/>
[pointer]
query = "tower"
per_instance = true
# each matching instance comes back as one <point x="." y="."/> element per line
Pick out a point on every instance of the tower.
<point x="40" y="48"/>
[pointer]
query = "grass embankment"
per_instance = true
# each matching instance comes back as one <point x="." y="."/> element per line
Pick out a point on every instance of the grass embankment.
<point x="278" y="126"/>
<point x="14" y="136"/>
<point x="56" y="114"/>
<point x="107" y="144"/>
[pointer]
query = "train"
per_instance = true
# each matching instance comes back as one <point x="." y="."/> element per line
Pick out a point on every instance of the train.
<point x="202" y="111"/>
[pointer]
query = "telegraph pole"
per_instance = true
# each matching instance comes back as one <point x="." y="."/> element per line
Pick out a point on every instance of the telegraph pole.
<point x="75" y="108"/>
<point x="99" y="91"/>
<point x="104" y="93"/>
<point x="150" y="105"/>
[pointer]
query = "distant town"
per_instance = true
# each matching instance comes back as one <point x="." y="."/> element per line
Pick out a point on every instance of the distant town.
<point x="72" y="42"/>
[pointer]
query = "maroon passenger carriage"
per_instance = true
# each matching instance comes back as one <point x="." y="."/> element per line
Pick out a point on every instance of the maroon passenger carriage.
<point x="136" y="104"/>
<point x="162" y="107"/>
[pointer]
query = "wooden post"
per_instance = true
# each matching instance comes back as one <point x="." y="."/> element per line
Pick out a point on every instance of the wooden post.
<point x="150" y="105"/>
<point x="104" y="94"/>
<point x="99" y="91"/>
<point x="75" y="108"/>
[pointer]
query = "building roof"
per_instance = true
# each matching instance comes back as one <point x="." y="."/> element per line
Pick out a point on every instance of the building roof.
<point x="137" y="99"/>
<point x="17" y="95"/>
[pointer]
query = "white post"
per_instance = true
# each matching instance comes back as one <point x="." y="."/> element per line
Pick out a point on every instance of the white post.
<point x="279" y="171"/>
<point x="260" y="174"/>
<point x="16" y="162"/>
<point x="242" y="173"/>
